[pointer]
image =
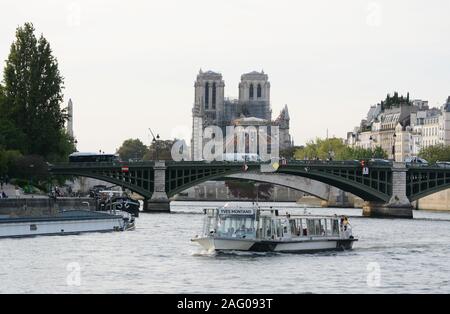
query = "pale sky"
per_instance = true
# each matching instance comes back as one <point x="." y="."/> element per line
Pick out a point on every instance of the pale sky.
<point x="131" y="65"/>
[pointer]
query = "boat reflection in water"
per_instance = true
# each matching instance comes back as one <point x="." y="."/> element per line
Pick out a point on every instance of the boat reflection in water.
<point x="231" y="228"/>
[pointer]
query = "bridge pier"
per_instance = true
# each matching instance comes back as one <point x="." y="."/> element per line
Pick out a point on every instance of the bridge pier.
<point x="399" y="205"/>
<point x="159" y="203"/>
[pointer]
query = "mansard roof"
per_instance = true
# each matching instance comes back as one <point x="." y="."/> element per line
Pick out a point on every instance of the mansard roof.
<point x="447" y="105"/>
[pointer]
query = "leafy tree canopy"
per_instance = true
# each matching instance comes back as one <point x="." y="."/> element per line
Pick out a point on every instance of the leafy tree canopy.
<point x="160" y="150"/>
<point x="132" y="149"/>
<point x="395" y="101"/>
<point x="435" y="153"/>
<point x="335" y="149"/>
<point x="31" y="97"/>
<point x="32" y="123"/>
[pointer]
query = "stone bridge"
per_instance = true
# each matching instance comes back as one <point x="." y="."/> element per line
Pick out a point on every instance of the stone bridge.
<point x="387" y="188"/>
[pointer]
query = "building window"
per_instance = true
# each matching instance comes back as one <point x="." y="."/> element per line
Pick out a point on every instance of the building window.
<point x="206" y="95"/>
<point x="214" y="96"/>
<point x="251" y="91"/>
<point x="258" y="91"/>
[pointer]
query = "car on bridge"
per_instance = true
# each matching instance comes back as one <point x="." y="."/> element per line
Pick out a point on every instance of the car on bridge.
<point x="416" y="161"/>
<point x="381" y="161"/>
<point x="93" y="157"/>
<point x="443" y="164"/>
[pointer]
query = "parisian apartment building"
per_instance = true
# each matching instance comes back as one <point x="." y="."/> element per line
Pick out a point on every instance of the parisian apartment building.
<point x="402" y="127"/>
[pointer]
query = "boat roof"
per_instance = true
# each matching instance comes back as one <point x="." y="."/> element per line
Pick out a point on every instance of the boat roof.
<point x="270" y="212"/>
<point x="62" y="216"/>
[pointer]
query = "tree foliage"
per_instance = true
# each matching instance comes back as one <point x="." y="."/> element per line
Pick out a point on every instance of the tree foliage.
<point x="132" y="149"/>
<point x="160" y="150"/>
<point x="289" y="153"/>
<point x="335" y="149"/>
<point x="8" y="160"/>
<point x="395" y="101"/>
<point x="435" y="153"/>
<point x="32" y="122"/>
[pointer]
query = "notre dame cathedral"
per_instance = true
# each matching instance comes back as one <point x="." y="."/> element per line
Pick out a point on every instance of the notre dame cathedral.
<point x="251" y="109"/>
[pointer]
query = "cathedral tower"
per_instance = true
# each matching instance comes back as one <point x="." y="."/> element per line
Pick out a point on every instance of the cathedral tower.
<point x="254" y="91"/>
<point x="208" y="107"/>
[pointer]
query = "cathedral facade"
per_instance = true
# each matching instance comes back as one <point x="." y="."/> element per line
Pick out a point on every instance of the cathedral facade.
<point x="252" y="108"/>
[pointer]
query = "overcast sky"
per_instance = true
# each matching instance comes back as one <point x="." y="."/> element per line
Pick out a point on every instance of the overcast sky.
<point x="131" y="65"/>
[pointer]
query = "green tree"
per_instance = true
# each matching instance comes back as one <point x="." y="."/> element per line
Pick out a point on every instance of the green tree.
<point x="8" y="160"/>
<point x="435" y="153"/>
<point x="161" y="150"/>
<point x="132" y="149"/>
<point x="33" y="96"/>
<point x="335" y="149"/>
<point x="289" y="153"/>
<point x="359" y="153"/>
<point x="321" y="149"/>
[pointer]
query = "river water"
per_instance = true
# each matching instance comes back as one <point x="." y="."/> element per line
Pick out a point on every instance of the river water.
<point x="392" y="256"/>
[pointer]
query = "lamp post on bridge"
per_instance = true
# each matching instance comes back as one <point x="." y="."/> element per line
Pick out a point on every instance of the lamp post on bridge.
<point x="393" y="146"/>
<point x="156" y="143"/>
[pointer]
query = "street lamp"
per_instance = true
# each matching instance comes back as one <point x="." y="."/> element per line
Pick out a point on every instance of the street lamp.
<point x="393" y="146"/>
<point x="31" y="178"/>
<point x="155" y="141"/>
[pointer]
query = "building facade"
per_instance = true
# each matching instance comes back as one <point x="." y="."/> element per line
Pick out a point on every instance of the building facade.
<point x="252" y="108"/>
<point x="403" y="130"/>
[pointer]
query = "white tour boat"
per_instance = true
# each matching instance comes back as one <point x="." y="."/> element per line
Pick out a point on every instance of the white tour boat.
<point x="231" y="228"/>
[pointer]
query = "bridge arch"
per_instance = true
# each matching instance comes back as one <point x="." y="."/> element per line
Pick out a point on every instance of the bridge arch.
<point x="308" y="186"/>
<point x="132" y="187"/>
<point x="352" y="181"/>
<point x="170" y="178"/>
<point x="422" y="182"/>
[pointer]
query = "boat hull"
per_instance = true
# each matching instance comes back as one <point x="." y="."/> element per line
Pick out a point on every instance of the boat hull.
<point x="304" y="246"/>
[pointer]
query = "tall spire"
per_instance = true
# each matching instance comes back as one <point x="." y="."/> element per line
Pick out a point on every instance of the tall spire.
<point x="70" y="119"/>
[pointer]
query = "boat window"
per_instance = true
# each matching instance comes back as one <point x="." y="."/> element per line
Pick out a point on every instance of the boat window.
<point x="335" y="227"/>
<point x="323" y="227"/>
<point x="237" y="227"/>
<point x="317" y="226"/>
<point x="328" y="227"/>
<point x="293" y="225"/>
<point x="310" y="227"/>
<point x="304" y="227"/>
<point x="279" y="229"/>
<point x="273" y="229"/>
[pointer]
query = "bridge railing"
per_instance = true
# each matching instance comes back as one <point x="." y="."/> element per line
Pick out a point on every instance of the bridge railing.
<point x="102" y="164"/>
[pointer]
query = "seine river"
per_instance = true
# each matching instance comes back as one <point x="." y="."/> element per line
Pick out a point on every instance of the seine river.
<point x="392" y="256"/>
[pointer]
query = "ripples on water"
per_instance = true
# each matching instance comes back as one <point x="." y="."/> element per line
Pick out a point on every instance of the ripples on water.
<point x="413" y="256"/>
